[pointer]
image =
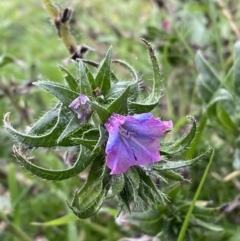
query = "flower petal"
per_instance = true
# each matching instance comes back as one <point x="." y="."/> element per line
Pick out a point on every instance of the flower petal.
<point x="81" y="106"/>
<point x="150" y="127"/>
<point x="133" y="140"/>
<point x="112" y="126"/>
<point x="119" y="158"/>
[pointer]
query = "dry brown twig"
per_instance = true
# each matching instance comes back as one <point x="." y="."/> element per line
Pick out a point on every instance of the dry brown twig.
<point x="229" y="17"/>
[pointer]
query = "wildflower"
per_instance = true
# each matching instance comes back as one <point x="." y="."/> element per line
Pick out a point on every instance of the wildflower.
<point x="81" y="106"/>
<point x="133" y="140"/>
<point x="166" y="25"/>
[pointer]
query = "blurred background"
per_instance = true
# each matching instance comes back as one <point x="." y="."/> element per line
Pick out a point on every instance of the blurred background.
<point x="30" y="50"/>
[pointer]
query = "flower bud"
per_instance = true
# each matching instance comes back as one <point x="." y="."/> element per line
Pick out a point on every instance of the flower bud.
<point x="82" y="107"/>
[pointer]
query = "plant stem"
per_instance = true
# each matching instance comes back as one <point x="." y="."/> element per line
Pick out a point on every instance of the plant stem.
<point x="189" y="213"/>
<point x="62" y="26"/>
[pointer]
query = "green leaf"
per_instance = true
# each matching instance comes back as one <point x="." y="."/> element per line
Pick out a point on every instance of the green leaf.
<point x="92" y="209"/>
<point x="117" y="184"/>
<point x="72" y="126"/>
<point x="89" y="139"/>
<point x="84" y="84"/>
<point x="92" y="194"/>
<point x="148" y="181"/>
<point x="126" y="198"/>
<point x="208" y="82"/>
<point x="117" y="89"/>
<point x="127" y="67"/>
<point x="221" y="111"/>
<point x="171" y="165"/>
<point x="225" y="119"/>
<point x="149" y="221"/>
<point x="48" y="139"/>
<point x="103" y="113"/>
<point x="157" y="83"/>
<point x="146" y="194"/>
<point x="64" y="94"/>
<point x="120" y="105"/>
<point x="148" y="104"/>
<point x="47" y="121"/>
<point x="173" y="194"/>
<point x="221" y="95"/>
<point x="6" y="59"/>
<point x="182" y="143"/>
<point x="206" y="225"/>
<point x="121" y="85"/>
<point x="103" y="77"/>
<point x="204" y="92"/>
<point x="58" y="221"/>
<point x="170" y="174"/>
<point x="236" y="73"/>
<point x="72" y="83"/>
<point x="132" y="180"/>
<point x="90" y="144"/>
<point x="84" y="159"/>
<point x="90" y="78"/>
<point x="138" y="108"/>
<point x="102" y="137"/>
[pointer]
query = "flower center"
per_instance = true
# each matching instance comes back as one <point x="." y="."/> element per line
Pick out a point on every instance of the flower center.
<point x="125" y="133"/>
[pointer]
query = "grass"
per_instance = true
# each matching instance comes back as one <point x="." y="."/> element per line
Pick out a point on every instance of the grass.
<point x="28" y="36"/>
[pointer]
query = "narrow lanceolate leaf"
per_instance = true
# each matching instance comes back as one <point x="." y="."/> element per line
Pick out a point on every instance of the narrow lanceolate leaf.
<point x="71" y="81"/>
<point x="172" y="175"/>
<point x="92" y="193"/>
<point x="89" y="139"/>
<point x="92" y="209"/>
<point x="102" y="113"/>
<point x="171" y="165"/>
<point x="148" y="221"/>
<point x="117" y="185"/>
<point x="118" y="87"/>
<point x="225" y="119"/>
<point x="90" y="78"/>
<point x="64" y="94"/>
<point x="102" y="137"/>
<point x="157" y="83"/>
<point x="86" y="196"/>
<point x="73" y="125"/>
<point x="236" y="74"/>
<point x="48" y="139"/>
<point x="120" y="105"/>
<point x="221" y="95"/>
<point x="208" y="82"/>
<point x="151" y="185"/>
<point x="84" y="86"/>
<point x="126" y="197"/>
<point x="58" y="221"/>
<point x="146" y="194"/>
<point x="182" y="143"/>
<point x="103" y="77"/>
<point x="47" y="121"/>
<point x="148" y="104"/>
<point x="206" y="225"/>
<point x="138" y="108"/>
<point x="132" y="179"/>
<point x="127" y="67"/>
<point x="84" y="159"/>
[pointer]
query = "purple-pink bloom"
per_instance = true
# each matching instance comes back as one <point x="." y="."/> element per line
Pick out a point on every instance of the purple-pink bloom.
<point x="81" y="106"/>
<point x="133" y="140"/>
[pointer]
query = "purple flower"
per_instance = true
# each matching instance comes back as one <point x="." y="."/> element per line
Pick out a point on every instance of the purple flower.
<point x="133" y="140"/>
<point x="81" y="106"/>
